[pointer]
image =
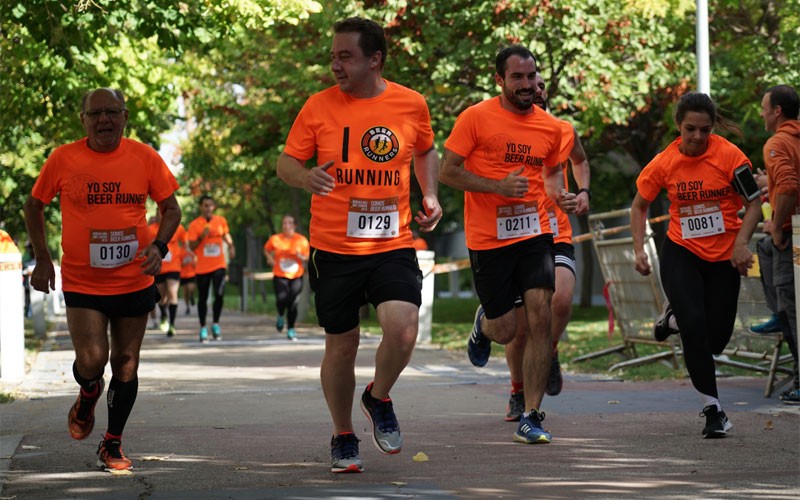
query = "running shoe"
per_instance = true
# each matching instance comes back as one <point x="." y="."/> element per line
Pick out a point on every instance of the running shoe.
<point x="772" y="325"/>
<point x="791" y="397"/>
<point x="80" y="419"/>
<point x="478" y="346"/>
<point x="516" y="406"/>
<point x="216" y="332"/>
<point x="110" y="456"/>
<point x="717" y="423"/>
<point x="662" y="330"/>
<point x="279" y="323"/>
<point x="164" y="325"/>
<point x="555" y="382"/>
<point x="203" y="334"/>
<point x="291" y="334"/>
<point x="385" y="429"/>
<point x="344" y="454"/>
<point x="530" y="429"/>
<point x="171" y="332"/>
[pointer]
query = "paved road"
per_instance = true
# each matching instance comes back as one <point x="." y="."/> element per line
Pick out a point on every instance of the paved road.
<point x="244" y="418"/>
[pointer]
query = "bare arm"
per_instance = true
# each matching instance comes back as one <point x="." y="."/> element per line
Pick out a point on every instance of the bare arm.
<point x="453" y="173"/>
<point x="315" y="180"/>
<point x="742" y="258"/>
<point x="426" y="170"/>
<point x="581" y="173"/>
<point x="638" y="219"/>
<point x="228" y="239"/>
<point x="170" y="220"/>
<point x="43" y="277"/>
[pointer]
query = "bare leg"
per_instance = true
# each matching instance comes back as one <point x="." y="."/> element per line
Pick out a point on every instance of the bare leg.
<point x="539" y="347"/>
<point x="399" y="321"/>
<point x="337" y="374"/>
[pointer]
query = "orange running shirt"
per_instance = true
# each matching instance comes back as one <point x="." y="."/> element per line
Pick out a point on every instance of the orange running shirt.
<point x="172" y="262"/>
<point x="703" y="203"/>
<point x="210" y="256"/>
<point x="496" y="142"/>
<point x="287" y="264"/>
<point x="104" y="218"/>
<point x="559" y="220"/>
<point x="371" y="142"/>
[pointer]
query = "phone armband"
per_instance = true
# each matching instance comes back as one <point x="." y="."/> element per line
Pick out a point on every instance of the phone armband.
<point x="745" y="184"/>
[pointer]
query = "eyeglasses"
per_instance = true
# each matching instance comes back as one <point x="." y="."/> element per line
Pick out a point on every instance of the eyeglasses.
<point x="111" y="113"/>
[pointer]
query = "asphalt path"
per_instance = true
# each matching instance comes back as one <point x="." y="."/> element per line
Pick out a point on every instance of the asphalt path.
<point x="244" y="418"/>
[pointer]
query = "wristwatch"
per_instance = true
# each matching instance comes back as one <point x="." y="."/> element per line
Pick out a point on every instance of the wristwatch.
<point x="162" y="247"/>
<point x="585" y="190"/>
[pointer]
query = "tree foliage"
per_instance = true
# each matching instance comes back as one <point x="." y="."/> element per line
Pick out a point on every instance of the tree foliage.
<point x="243" y="69"/>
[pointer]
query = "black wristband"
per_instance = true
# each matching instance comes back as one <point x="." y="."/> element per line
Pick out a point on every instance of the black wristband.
<point x="162" y="247"/>
<point x="585" y="190"/>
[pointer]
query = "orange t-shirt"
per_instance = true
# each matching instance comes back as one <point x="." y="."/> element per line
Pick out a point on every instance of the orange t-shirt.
<point x="188" y="263"/>
<point x="210" y="256"/>
<point x="496" y="142"/>
<point x="703" y="204"/>
<point x="287" y="264"/>
<point x="371" y="142"/>
<point x="104" y="218"/>
<point x="559" y="220"/>
<point x="172" y="262"/>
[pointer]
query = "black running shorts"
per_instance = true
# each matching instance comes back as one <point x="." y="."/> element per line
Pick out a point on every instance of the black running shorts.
<point x="503" y="274"/>
<point x="126" y="305"/>
<point x="343" y="283"/>
<point x="163" y="277"/>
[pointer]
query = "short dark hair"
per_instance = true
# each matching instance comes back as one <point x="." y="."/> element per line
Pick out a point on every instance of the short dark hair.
<point x="117" y="93"/>
<point x="786" y="97"/>
<point x="501" y="60"/>
<point x="372" y="37"/>
<point x="206" y="197"/>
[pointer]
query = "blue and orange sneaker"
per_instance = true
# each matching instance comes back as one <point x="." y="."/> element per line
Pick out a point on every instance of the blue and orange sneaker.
<point x="478" y="346"/>
<point x="530" y="429"/>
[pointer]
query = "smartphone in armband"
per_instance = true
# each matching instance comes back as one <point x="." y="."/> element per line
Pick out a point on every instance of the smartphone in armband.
<point x="745" y="184"/>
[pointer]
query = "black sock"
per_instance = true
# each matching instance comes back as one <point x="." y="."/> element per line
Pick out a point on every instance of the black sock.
<point x="173" y="311"/>
<point x="121" y="396"/>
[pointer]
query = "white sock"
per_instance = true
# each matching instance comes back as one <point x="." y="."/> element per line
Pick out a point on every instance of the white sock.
<point x="672" y="323"/>
<point x="710" y="400"/>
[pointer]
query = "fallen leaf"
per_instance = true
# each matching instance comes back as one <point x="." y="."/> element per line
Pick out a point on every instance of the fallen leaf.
<point x="241" y="468"/>
<point x="115" y="472"/>
<point x="741" y="403"/>
<point x="768" y="426"/>
<point x="30" y="447"/>
<point x="398" y="483"/>
<point x="613" y="402"/>
<point x="420" y="457"/>
<point x="153" y="459"/>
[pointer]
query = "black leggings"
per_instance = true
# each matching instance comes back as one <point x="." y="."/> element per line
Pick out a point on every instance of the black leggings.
<point x="286" y="293"/>
<point x="203" y="284"/>
<point x="704" y="297"/>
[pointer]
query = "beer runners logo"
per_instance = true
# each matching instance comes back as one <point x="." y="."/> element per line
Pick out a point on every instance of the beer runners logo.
<point x="379" y="144"/>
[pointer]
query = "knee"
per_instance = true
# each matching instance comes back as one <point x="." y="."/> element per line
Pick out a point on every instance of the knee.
<point x="124" y="365"/>
<point x="91" y="361"/>
<point x="561" y="305"/>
